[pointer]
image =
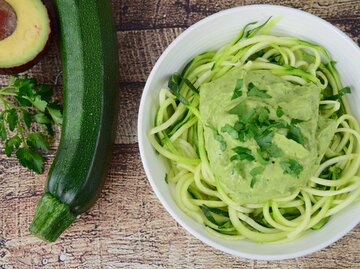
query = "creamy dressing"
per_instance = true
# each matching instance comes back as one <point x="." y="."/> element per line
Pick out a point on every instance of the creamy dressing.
<point x="299" y="103"/>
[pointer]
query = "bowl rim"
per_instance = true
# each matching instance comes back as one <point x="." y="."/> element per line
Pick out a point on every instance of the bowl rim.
<point x="142" y="138"/>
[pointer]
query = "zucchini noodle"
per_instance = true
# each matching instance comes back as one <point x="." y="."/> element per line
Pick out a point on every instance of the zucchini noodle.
<point x="178" y="135"/>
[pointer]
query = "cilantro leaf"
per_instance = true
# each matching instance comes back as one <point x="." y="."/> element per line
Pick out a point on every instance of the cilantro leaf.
<point x="41" y="118"/>
<point x="26" y="117"/>
<point x="45" y="92"/>
<point x="37" y="140"/>
<point x="11" y="144"/>
<point x="254" y="91"/>
<point x="237" y="91"/>
<point x="3" y="132"/>
<point x="30" y="159"/>
<point x="218" y="137"/>
<point x="230" y="130"/>
<point x="238" y="109"/>
<point x="291" y="167"/>
<point x="39" y="103"/>
<point x="26" y="104"/>
<point x="242" y="154"/>
<point x="294" y="133"/>
<point x="12" y="118"/>
<point x="257" y="171"/>
<point x="295" y="121"/>
<point x="254" y="172"/>
<point x="55" y="115"/>
<point x="279" y="112"/>
<point x="340" y="94"/>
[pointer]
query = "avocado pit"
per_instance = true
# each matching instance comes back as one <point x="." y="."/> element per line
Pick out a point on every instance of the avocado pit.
<point x="7" y="20"/>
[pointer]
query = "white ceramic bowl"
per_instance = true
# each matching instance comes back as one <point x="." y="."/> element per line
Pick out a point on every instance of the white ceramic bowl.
<point x="211" y="33"/>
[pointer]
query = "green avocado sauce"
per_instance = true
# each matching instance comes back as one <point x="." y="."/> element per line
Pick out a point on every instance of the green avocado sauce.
<point x="264" y="136"/>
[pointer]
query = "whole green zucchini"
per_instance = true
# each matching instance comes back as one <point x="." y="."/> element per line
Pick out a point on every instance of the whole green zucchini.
<point x="89" y="53"/>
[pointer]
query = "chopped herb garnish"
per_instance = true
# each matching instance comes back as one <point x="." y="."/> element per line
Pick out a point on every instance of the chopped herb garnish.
<point x="218" y="137"/>
<point x="279" y="112"/>
<point x="242" y="154"/>
<point x="291" y="167"/>
<point x="237" y="91"/>
<point x="266" y="147"/>
<point x="166" y="178"/>
<point x="253" y="182"/>
<point x="257" y="171"/>
<point x="254" y="91"/>
<point x="230" y="130"/>
<point x="174" y="86"/>
<point x="294" y="133"/>
<point x="340" y="94"/>
<point x="254" y="172"/>
<point x="247" y="117"/>
<point x="263" y="114"/>
<point x="238" y="109"/>
<point x="295" y="121"/>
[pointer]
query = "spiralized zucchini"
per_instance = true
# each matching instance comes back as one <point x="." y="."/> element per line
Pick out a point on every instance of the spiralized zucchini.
<point x="178" y="136"/>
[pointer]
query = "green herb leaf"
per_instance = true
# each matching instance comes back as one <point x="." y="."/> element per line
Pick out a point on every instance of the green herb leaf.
<point x="254" y="91"/>
<point x="263" y="114"/>
<point x="166" y="178"/>
<point x="279" y="112"/>
<point x="296" y="121"/>
<point x="45" y="92"/>
<point x="230" y="130"/>
<point x="238" y="109"/>
<point x="41" y="118"/>
<point x="237" y="91"/>
<point x="248" y="116"/>
<point x="341" y="93"/>
<point x="253" y="182"/>
<point x="3" y="132"/>
<point x="27" y="118"/>
<point x="37" y="140"/>
<point x="55" y="115"/>
<point x="30" y="159"/>
<point x="11" y="144"/>
<point x="291" y="167"/>
<point x="257" y="171"/>
<point x="12" y="118"/>
<point x="39" y="103"/>
<point x="218" y="137"/>
<point x="242" y="154"/>
<point x="294" y="133"/>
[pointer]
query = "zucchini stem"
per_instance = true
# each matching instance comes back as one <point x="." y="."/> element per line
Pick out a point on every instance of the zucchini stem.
<point x="52" y="217"/>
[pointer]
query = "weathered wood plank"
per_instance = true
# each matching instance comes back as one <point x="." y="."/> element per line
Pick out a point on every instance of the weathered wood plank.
<point x="136" y="15"/>
<point x="127" y="228"/>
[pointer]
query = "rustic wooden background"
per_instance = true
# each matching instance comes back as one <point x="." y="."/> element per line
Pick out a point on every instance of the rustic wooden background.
<point x="128" y="227"/>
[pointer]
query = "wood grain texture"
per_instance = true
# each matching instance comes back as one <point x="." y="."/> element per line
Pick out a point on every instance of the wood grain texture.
<point x="128" y="227"/>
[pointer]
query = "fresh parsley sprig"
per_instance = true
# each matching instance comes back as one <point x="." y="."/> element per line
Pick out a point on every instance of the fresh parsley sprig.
<point x="27" y="116"/>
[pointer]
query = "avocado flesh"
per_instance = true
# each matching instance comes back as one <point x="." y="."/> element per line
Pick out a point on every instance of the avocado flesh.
<point x="30" y="36"/>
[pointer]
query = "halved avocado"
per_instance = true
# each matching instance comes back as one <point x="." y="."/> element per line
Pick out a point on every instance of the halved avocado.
<point x="20" y="49"/>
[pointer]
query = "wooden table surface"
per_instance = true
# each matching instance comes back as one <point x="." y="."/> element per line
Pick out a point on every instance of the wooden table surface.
<point x="128" y="227"/>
